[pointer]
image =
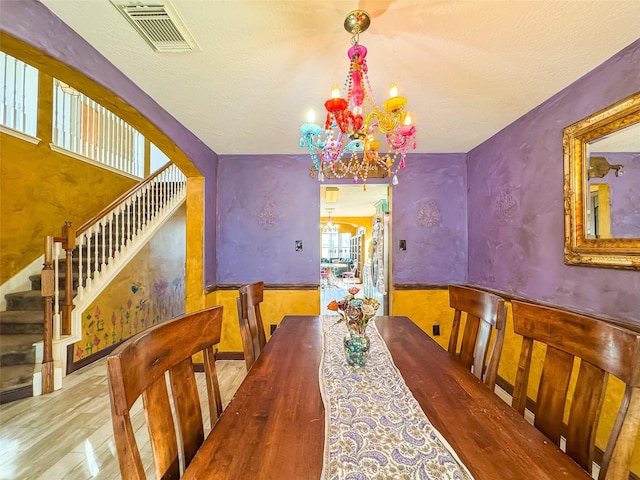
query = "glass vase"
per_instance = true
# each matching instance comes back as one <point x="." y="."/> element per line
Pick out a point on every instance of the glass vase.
<point x="356" y="348"/>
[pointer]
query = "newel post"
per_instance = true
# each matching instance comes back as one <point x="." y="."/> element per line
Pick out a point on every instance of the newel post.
<point x="47" y="291"/>
<point x="69" y="244"/>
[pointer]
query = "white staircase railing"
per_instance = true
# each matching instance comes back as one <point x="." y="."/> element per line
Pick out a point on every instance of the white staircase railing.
<point x="85" y="128"/>
<point x="93" y="254"/>
<point x="18" y="95"/>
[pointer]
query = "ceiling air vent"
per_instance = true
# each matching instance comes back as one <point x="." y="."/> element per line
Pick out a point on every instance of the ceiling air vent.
<point x="159" y="24"/>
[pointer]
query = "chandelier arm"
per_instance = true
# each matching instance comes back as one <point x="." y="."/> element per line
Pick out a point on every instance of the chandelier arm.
<point x="387" y="122"/>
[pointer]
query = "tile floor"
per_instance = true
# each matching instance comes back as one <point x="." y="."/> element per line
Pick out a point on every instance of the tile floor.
<point x="68" y="435"/>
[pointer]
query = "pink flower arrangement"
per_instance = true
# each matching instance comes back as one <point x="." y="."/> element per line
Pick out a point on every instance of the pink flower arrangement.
<point x="356" y="312"/>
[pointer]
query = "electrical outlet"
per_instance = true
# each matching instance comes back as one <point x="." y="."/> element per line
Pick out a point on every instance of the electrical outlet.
<point x="436" y="330"/>
<point x="298" y="245"/>
<point x="403" y="245"/>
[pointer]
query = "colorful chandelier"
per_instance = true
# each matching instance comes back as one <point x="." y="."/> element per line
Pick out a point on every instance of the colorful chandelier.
<point x="349" y="145"/>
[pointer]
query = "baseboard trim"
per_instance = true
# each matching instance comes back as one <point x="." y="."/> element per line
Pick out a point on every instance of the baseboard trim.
<point x="229" y="356"/>
<point x="199" y="367"/>
<point x="16" y="394"/>
<point x="83" y="362"/>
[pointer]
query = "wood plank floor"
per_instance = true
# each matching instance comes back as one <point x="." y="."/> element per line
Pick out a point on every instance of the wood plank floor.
<point x="68" y="435"/>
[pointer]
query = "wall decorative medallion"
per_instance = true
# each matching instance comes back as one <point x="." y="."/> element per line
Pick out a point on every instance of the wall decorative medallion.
<point x="428" y="213"/>
<point x="268" y="215"/>
<point x="506" y="204"/>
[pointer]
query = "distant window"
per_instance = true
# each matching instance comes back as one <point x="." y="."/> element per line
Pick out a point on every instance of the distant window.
<point x="335" y="245"/>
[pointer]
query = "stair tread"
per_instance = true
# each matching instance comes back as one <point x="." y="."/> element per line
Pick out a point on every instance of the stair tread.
<point x="15" y="376"/>
<point x="21" y="316"/>
<point x="9" y="342"/>
<point x="31" y="294"/>
<point x="26" y="293"/>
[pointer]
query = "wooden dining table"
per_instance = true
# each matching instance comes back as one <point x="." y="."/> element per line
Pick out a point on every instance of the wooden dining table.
<point x="274" y="427"/>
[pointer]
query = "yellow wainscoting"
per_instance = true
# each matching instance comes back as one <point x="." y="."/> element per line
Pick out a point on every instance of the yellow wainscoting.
<point x="276" y="304"/>
<point x="431" y="307"/>
<point x="426" y="308"/>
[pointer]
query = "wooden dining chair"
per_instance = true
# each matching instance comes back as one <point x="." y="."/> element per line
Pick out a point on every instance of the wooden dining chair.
<point x="485" y="312"/>
<point x="603" y="349"/>
<point x="250" y="319"/>
<point x="137" y="368"/>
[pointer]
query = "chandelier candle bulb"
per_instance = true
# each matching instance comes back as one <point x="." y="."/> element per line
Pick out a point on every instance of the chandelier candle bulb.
<point x="393" y="90"/>
<point x="309" y="128"/>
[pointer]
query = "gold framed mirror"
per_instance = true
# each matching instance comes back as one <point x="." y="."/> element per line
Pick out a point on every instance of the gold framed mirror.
<point x="602" y="187"/>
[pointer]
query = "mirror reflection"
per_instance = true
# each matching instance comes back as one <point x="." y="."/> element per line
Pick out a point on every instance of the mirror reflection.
<point x="612" y="196"/>
<point x="602" y="187"/>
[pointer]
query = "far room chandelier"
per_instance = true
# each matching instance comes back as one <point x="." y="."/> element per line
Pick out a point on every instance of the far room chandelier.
<point x="347" y="146"/>
<point x="330" y="227"/>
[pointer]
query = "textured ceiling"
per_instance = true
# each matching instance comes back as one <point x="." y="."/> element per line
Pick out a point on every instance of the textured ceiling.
<point x="468" y="67"/>
<point x="353" y="200"/>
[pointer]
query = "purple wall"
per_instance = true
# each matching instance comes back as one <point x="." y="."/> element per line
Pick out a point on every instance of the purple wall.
<point x="516" y="214"/>
<point x="33" y="23"/>
<point x="265" y="204"/>
<point x="429" y="211"/>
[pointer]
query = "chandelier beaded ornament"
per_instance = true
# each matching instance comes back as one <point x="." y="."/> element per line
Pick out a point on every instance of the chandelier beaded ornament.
<point x="347" y="146"/>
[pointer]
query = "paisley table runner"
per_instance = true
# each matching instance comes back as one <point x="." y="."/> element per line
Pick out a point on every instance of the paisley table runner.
<point x="375" y="428"/>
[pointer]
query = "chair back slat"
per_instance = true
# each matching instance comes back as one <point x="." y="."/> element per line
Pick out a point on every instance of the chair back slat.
<point x="187" y="407"/>
<point x="213" y="387"/>
<point x="162" y="434"/>
<point x="138" y="367"/>
<point x="519" y="400"/>
<point x="469" y="341"/>
<point x="245" y="331"/>
<point x="455" y="331"/>
<point x="482" y="345"/>
<point x="583" y="417"/>
<point x="604" y="349"/>
<point x="250" y="320"/>
<point x="485" y="314"/>
<point x="552" y="392"/>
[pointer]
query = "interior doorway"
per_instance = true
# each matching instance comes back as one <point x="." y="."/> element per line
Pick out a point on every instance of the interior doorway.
<point x="352" y="243"/>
